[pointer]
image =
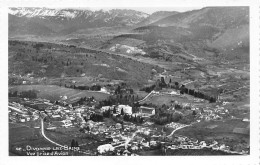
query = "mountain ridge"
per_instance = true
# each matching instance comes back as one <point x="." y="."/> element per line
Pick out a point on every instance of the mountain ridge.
<point x="58" y="20"/>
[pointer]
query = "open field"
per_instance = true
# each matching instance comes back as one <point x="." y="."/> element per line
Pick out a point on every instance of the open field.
<point x="34" y="143"/>
<point x="22" y="135"/>
<point x="225" y="126"/>
<point x="168" y="99"/>
<point x="221" y="131"/>
<point x="22" y="132"/>
<point x="52" y="92"/>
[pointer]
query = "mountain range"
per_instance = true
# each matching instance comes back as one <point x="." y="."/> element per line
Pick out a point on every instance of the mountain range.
<point x="223" y="28"/>
<point x="45" y="21"/>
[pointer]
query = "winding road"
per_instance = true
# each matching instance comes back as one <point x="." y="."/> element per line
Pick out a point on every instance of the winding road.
<point x="177" y="129"/>
<point x="43" y="134"/>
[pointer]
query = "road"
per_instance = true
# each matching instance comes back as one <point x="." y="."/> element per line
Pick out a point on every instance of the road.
<point x="177" y="129"/>
<point x="146" y="96"/>
<point x="43" y="134"/>
<point x="15" y="109"/>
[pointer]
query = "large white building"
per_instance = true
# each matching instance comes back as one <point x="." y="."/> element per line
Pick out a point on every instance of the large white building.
<point x="126" y="108"/>
<point x="147" y="111"/>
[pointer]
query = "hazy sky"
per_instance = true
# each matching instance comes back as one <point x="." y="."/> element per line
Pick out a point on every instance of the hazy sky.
<point x="148" y="10"/>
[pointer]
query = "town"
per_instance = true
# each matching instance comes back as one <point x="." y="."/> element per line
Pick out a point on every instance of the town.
<point x="124" y="130"/>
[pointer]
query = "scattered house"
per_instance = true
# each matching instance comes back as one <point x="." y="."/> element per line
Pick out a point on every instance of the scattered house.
<point x="246" y="120"/>
<point x="104" y="90"/>
<point x="67" y="125"/>
<point x="147" y="111"/>
<point x="215" y="147"/>
<point x="153" y="143"/>
<point x="197" y="147"/>
<point x="134" y="147"/>
<point x="48" y="110"/>
<point x="28" y="118"/>
<point x="63" y="97"/>
<point x="56" y="116"/>
<point x="71" y="118"/>
<point x="105" y="148"/>
<point x="174" y="93"/>
<point x="51" y="128"/>
<point x="106" y="108"/>
<point x="115" y="115"/>
<point x="173" y="147"/>
<point x="222" y="147"/>
<point x="225" y="103"/>
<point x="66" y="110"/>
<point x="22" y="120"/>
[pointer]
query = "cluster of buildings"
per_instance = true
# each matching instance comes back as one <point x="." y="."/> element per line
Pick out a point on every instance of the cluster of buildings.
<point x="186" y="143"/>
<point x="20" y="114"/>
<point x="208" y="115"/>
<point x="125" y="139"/>
<point x="17" y="79"/>
<point x="131" y="143"/>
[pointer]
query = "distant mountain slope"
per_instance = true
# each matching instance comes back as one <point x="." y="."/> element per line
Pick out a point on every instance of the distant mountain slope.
<point x="24" y="26"/>
<point x="65" y="21"/>
<point x="219" y="26"/>
<point x="233" y="37"/>
<point x="156" y="16"/>
<point x="220" y="17"/>
<point x="218" y="30"/>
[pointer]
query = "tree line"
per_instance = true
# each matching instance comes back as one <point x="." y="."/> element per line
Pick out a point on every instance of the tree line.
<point x="95" y="87"/>
<point x="183" y="90"/>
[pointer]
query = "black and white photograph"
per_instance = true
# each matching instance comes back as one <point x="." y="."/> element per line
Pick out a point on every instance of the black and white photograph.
<point x="112" y="80"/>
